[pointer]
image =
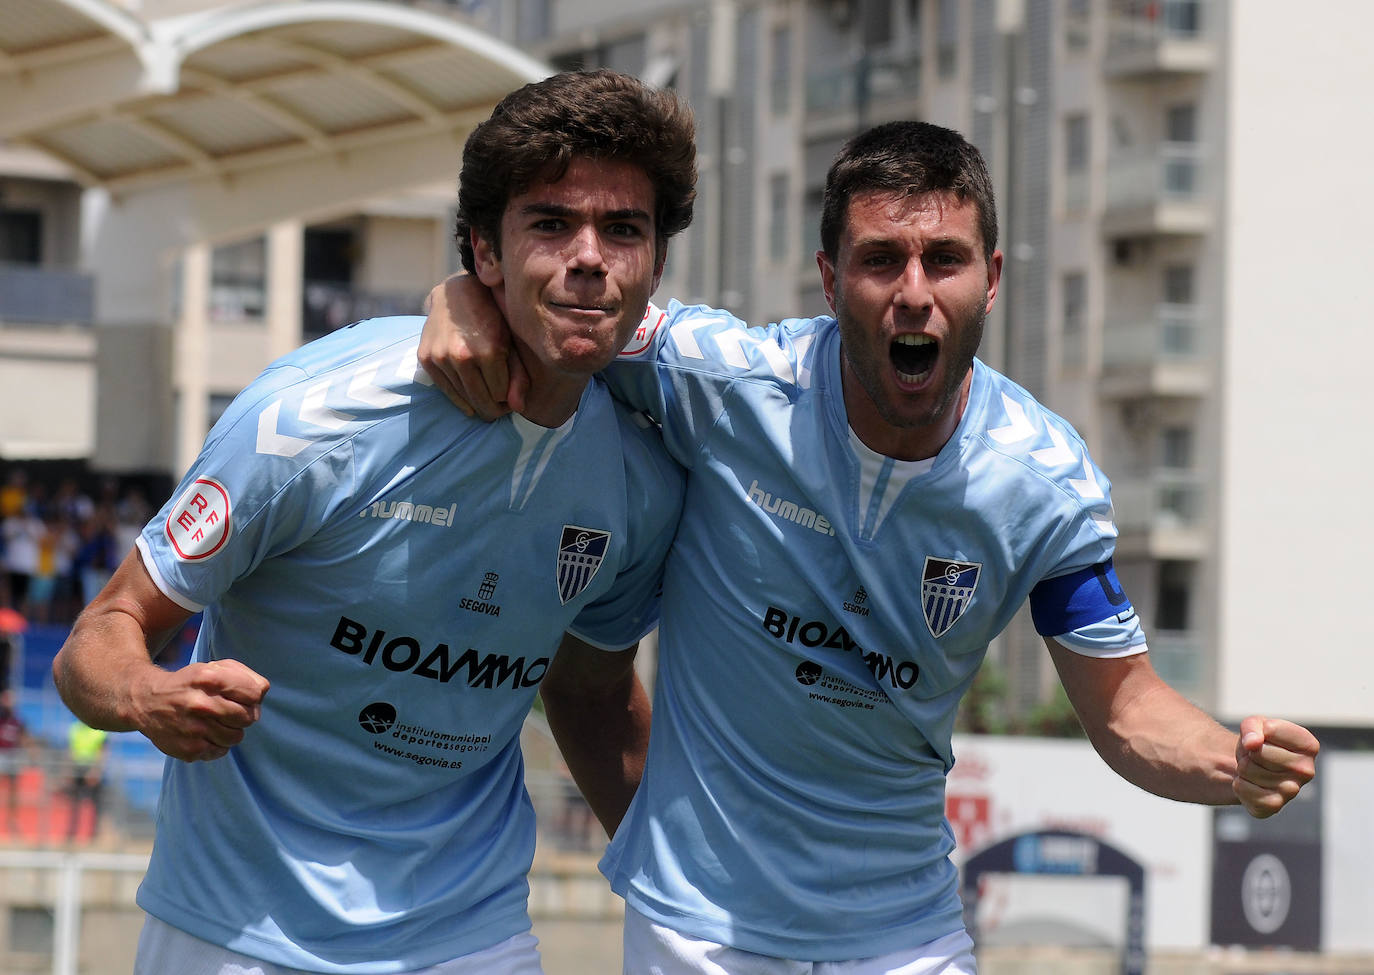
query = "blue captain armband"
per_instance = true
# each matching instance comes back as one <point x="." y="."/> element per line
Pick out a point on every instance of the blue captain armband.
<point x="1085" y="599"/>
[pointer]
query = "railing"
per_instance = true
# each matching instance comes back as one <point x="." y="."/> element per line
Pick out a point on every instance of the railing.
<point x="1146" y="23"/>
<point x="871" y="77"/>
<point x="237" y="299"/>
<point x="1173" y="334"/>
<point x="69" y="871"/>
<point x="46" y="295"/>
<point x="328" y="306"/>
<point x="1177" y="658"/>
<point x="1166" y="500"/>
<point x="1173" y="172"/>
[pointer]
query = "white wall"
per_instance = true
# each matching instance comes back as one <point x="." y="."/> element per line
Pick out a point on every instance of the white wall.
<point x="47" y="393"/>
<point x="1348" y="852"/>
<point x="1296" y="521"/>
<point x="1028" y="784"/>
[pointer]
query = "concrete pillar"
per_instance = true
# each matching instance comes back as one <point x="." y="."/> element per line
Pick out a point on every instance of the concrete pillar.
<point x="285" y="286"/>
<point x="191" y="355"/>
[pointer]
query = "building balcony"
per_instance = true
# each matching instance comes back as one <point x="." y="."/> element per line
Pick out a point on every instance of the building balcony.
<point x="866" y="84"/>
<point x="1165" y="190"/>
<point x="1163" y="353"/>
<point x="1147" y="38"/>
<point x="35" y="295"/>
<point x="328" y="306"/>
<point x="1161" y="515"/>
<point x="1177" y="658"/>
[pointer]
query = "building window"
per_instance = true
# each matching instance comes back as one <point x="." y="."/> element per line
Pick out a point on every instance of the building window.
<point x="533" y="19"/>
<point x="1183" y="18"/>
<point x="913" y="26"/>
<point x="1180" y="123"/>
<point x="1074" y="300"/>
<point x="1077" y="24"/>
<point x="238" y="281"/>
<point x="1077" y="151"/>
<point x="21" y="236"/>
<point x="1181" y="158"/>
<point x="1178" y="317"/>
<point x="811" y="226"/>
<point x="216" y="406"/>
<point x="777" y="217"/>
<point x="1174" y="610"/>
<point x="1076" y="143"/>
<point x="1176" y="448"/>
<point x="877" y="24"/>
<point x="947" y="39"/>
<point x="1178" y="284"/>
<point x="781" y="78"/>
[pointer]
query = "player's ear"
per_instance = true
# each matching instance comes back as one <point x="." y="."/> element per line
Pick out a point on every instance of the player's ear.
<point x="486" y="260"/>
<point x="660" y="261"/>
<point x="994" y="279"/>
<point x="827" y="278"/>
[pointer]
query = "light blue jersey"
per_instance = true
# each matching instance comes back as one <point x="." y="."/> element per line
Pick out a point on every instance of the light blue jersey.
<point x="402" y="575"/>
<point x="825" y="608"/>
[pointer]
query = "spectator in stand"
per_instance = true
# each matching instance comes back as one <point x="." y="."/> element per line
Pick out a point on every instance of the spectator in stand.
<point x="98" y="552"/>
<point x="86" y="749"/>
<point x="50" y="584"/>
<point x="14" y="743"/>
<point x="23" y="533"/>
<point x="14" y="496"/>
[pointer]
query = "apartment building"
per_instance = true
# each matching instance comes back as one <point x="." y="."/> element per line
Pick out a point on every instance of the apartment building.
<point x="1144" y="151"/>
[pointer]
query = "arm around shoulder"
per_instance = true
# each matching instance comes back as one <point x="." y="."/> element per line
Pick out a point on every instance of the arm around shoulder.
<point x="105" y="673"/>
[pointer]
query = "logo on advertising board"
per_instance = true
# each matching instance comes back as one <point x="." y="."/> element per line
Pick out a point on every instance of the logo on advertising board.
<point x="198" y="524"/>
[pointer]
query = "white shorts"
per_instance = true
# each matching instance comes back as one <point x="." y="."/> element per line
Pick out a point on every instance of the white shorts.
<point x="651" y="949"/>
<point x="163" y="949"/>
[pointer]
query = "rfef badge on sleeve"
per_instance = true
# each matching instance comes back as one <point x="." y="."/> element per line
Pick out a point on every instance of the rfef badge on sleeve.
<point x="580" y="553"/>
<point x="946" y="591"/>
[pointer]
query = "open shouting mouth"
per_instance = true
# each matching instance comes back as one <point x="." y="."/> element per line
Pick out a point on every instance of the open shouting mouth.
<point x="913" y="356"/>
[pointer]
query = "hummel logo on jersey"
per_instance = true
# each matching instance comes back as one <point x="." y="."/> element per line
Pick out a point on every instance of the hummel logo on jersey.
<point x="946" y="591"/>
<point x="789" y="510"/>
<point x="423" y="514"/>
<point x="580" y="553"/>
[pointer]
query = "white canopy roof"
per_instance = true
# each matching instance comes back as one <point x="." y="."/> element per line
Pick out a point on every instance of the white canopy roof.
<point x="216" y="95"/>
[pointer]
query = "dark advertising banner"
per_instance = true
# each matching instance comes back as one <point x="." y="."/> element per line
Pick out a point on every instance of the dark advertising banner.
<point x="1267" y="876"/>
<point x="1267" y="894"/>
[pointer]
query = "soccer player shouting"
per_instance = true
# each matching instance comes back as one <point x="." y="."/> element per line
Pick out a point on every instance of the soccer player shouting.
<point x="867" y="507"/>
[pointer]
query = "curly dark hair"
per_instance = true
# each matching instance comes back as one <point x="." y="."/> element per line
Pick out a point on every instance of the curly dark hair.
<point x="535" y="131"/>
<point x="907" y="158"/>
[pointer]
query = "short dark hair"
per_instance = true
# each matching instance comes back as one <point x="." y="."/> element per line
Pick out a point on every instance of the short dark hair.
<point x="536" y="131"/>
<point x="907" y="158"/>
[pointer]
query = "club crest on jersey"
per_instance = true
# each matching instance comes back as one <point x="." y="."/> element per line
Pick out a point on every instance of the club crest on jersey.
<point x="946" y="591"/>
<point x="580" y="553"/>
<point x="198" y="523"/>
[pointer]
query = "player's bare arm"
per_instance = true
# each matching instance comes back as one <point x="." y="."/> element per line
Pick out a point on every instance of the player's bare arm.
<point x="106" y="674"/>
<point x="1155" y="738"/>
<point x="465" y="347"/>
<point x="599" y="714"/>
